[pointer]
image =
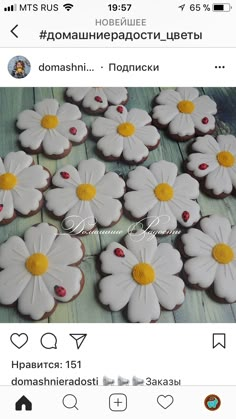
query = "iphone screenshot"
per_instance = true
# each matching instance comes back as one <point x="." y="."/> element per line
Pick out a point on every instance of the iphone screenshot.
<point x="117" y="209"/>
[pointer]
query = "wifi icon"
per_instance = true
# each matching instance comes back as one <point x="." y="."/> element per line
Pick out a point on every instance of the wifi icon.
<point x="68" y="6"/>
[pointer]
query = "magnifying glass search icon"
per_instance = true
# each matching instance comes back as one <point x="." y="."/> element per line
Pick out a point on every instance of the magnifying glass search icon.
<point x="70" y="401"/>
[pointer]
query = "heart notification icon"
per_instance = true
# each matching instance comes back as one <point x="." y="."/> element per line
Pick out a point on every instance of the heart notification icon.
<point x="19" y="340"/>
<point x="165" y="401"/>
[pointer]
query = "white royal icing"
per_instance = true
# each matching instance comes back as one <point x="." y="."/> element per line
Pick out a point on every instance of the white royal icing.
<point x="55" y="140"/>
<point x="202" y="268"/>
<point x="162" y="216"/>
<point x="119" y="289"/>
<point x="82" y="215"/>
<point x="98" y="98"/>
<point x="24" y="197"/>
<point x="36" y="294"/>
<point x="183" y="124"/>
<point x="205" y="165"/>
<point x="133" y="147"/>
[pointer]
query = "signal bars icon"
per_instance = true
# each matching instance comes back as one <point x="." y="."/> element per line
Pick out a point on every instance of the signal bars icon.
<point x="12" y="8"/>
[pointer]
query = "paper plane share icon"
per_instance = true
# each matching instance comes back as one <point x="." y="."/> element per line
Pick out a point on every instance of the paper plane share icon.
<point x="79" y="338"/>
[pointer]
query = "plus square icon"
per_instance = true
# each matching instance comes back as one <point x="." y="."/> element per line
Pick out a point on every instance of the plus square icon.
<point x="118" y="402"/>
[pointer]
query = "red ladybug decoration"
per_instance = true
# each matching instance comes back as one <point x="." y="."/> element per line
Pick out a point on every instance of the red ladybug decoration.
<point x="205" y="120"/>
<point x="203" y="166"/>
<point x="119" y="253"/>
<point x="65" y="175"/>
<point x="98" y="99"/>
<point x="1" y="207"/>
<point x="120" y="109"/>
<point x="60" y="291"/>
<point x="73" y="130"/>
<point x="185" y="216"/>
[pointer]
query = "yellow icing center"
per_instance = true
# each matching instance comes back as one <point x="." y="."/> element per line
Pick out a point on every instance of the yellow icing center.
<point x="49" y="121"/>
<point x="37" y="264"/>
<point x="8" y="181"/>
<point x="186" y="106"/>
<point x="164" y="192"/>
<point x="86" y="191"/>
<point x="143" y="273"/>
<point x="223" y="253"/>
<point x="126" y="129"/>
<point x="225" y="158"/>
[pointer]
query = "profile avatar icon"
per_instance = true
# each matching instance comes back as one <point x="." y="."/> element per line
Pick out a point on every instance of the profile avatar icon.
<point x="212" y="402"/>
<point x="19" y="67"/>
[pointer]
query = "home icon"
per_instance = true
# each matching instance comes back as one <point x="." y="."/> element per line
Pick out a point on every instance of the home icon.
<point x="23" y="404"/>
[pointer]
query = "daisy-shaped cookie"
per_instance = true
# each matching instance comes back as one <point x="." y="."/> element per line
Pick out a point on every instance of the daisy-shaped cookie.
<point x="126" y="134"/>
<point x="141" y="276"/>
<point x="40" y="270"/>
<point x="51" y="128"/>
<point x="95" y="100"/>
<point x="212" y="253"/>
<point x="214" y="162"/>
<point x="21" y="185"/>
<point x="86" y="196"/>
<point x="184" y="113"/>
<point x="162" y="198"/>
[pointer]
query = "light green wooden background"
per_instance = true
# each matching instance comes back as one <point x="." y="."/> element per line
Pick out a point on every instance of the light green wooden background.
<point x="198" y="307"/>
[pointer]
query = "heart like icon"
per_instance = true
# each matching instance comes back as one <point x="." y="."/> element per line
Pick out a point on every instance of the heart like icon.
<point x="165" y="401"/>
<point x="19" y="340"/>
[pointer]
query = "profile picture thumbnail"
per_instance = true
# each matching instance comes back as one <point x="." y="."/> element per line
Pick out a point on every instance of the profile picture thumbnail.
<point x="19" y="67"/>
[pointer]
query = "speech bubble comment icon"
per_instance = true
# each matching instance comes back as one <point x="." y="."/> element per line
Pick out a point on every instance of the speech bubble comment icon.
<point x="49" y="341"/>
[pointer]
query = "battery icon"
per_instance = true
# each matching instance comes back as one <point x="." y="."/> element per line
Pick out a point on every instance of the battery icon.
<point x="221" y="7"/>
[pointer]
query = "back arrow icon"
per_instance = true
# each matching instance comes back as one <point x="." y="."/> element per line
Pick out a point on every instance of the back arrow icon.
<point x="12" y="31"/>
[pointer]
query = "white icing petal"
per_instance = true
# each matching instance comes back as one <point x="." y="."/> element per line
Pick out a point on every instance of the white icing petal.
<point x="106" y="210"/>
<point x="169" y="97"/>
<point x="8" y="207"/>
<point x="68" y="112"/>
<point x="140" y="202"/>
<point x="104" y="126"/>
<point x="225" y="285"/>
<point x="166" y="260"/>
<point x="26" y="200"/>
<point x="138" y="117"/>
<point x="160" y="218"/>
<point x="197" y="118"/>
<point x="204" y="104"/>
<point x="143" y="245"/>
<point x="47" y="107"/>
<point x="33" y="177"/>
<point x="36" y="299"/>
<point x="65" y="251"/>
<point x="113" y="114"/>
<point x="179" y="205"/>
<point x="134" y="149"/>
<point x="116" y="95"/>
<point x="39" y="239"/>
<point x="15" y="162"/>
<point x="112" y="185"/>
<point x="217" y="227"/>
<point x="111" y="145"/>
<point x="73" y="180"/>
<point x="207" y="145"/>
<point x="67" y="277"/>
<point x="13" y="281"/>
<point x="227" y="143"/>
<point x="112" y="264"/>
<point x="197" y="243"/>
<point x="141" y="178"/>
<point x="201" y="270"/>
<point x="148" y="135"/>
<point x="164" y="172"/>
<point x="59" y="201"/>
<point x="186" y="187"/>
<point x="90" y="102"/>
<point x="115" y="290"/>
<point x="196" y="159"/>
<point x="232" y="239"/>
<point x="143" y="305"/>
<point x="13" y="252"/>
<point x="32" y="137"/>
<point x="165" y="113"/>
<point x="182" y="125"/>
<point x="77" y="93"/>
<point x="232" y="174"/>
<point x="219" y="181"/>
<point x="169" y="291"/>
<point x="55" y="143"/>
<point x="28" y="119"/>
<point x="188" y="93"/>
<point x="80" y="217"/>
<point x="2" y="167"/>
<point x="91" y="171"/>
<point x="65" y="126"/>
